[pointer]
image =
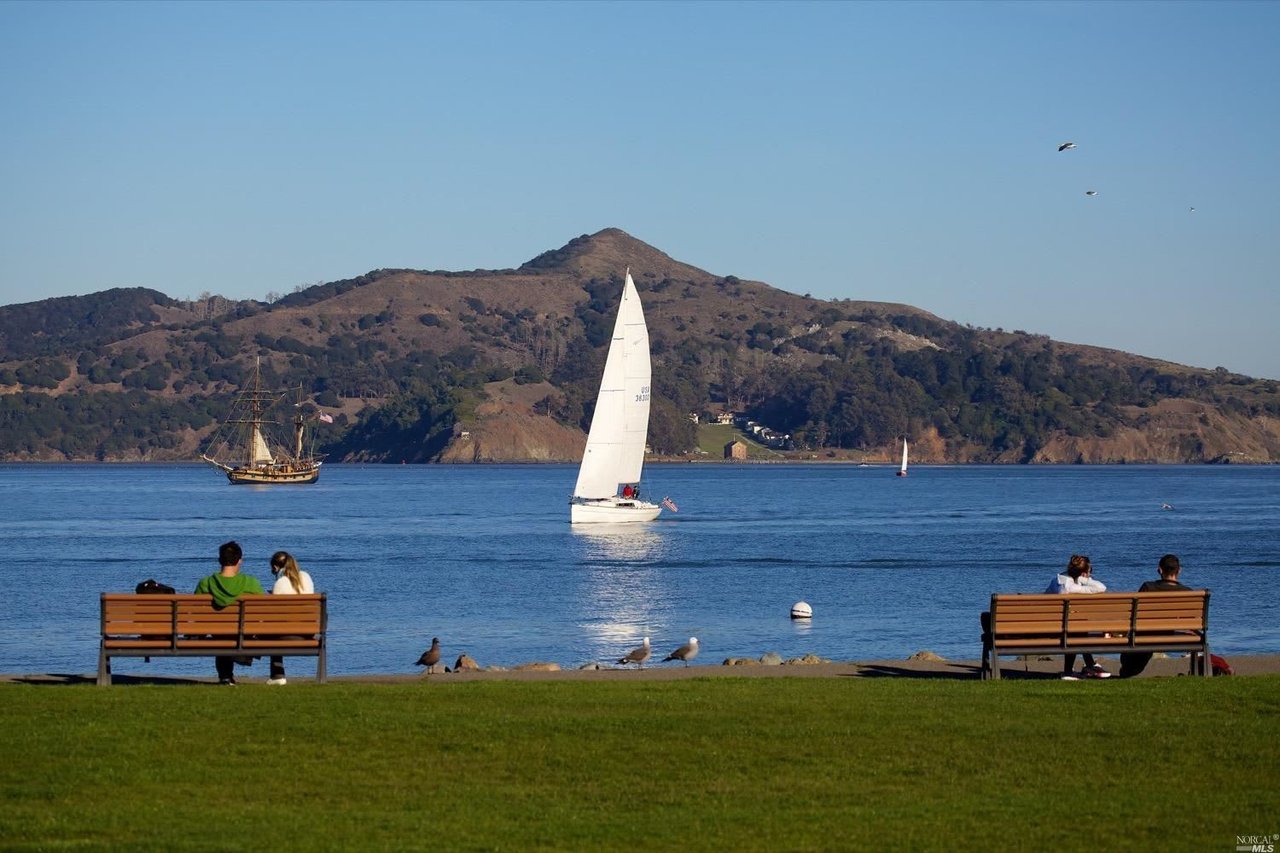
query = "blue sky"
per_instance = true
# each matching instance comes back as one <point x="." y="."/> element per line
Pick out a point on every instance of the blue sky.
<point x="903" y="152"/>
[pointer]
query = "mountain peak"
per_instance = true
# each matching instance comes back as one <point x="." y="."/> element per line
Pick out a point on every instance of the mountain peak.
<point x="609" y="252"/>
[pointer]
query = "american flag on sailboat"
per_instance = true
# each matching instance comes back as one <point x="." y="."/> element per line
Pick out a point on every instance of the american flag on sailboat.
<point x="670" y="504"/>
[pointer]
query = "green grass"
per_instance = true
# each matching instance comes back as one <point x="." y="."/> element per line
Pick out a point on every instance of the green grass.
<point x="750" y="764"/>
<point x="713" y="437"/>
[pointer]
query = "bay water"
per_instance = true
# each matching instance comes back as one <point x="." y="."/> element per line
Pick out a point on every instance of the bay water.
<point x="484" y="557"/>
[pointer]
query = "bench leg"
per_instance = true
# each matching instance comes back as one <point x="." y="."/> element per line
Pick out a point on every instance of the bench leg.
<point x="321" y="673"/>
<point x="104" y="668"/>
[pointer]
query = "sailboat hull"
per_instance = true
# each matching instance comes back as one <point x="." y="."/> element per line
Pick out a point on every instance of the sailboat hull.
<point x="611" y="511"/>
<point x="273" y="476"/>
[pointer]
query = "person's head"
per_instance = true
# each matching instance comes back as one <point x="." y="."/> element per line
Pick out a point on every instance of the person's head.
<point x="1169" y="566"/>
<point x="282" y="563"/>
<point x="230" y="554"/>
<point x="1078" y="565"/>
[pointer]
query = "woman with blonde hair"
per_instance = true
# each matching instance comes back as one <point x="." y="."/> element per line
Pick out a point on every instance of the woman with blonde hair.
<point x="290" y="580"/>
<point x="1078" y="578"/>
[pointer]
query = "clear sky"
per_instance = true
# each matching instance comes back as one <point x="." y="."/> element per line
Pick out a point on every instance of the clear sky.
<point x="903" y="152"/>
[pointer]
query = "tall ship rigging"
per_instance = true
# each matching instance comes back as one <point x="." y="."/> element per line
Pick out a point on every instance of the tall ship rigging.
<point x="242" y="447"/>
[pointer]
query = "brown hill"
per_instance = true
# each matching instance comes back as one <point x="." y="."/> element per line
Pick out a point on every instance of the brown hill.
<point x="502" y="365"/>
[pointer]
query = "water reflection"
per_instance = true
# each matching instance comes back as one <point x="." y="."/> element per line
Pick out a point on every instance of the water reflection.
<point x="620" y="593"/>
<point x="617" y="541"/>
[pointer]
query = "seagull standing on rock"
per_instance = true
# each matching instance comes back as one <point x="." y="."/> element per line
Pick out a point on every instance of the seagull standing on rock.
<point x="686" y="653"/>
<point x="639" y="655"/>
<point x="431" y="656"/>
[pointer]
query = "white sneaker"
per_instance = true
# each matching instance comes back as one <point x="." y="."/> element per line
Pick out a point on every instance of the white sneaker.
<point x="276" y="681"/>
<point x="1070" y="676"/>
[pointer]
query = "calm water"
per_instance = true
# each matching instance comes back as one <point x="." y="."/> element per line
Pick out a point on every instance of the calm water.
<point x="483" y="556"/>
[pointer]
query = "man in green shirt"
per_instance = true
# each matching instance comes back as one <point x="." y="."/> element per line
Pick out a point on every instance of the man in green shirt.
<point x="225" y="587"/>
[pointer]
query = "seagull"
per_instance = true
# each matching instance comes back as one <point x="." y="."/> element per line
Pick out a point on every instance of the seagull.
<point x="686" y="653"/>
<point x="431" y="656"/>
<point x="1066" y="146"/>
<point x="1090" y="192"/>
<point x="1166" y="506"/>
<point x="639" y="655"/>
<point x="1193" y="210"/>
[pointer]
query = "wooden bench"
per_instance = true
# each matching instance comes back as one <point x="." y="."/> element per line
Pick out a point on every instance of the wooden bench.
<point x="1100" y="623"/>
<point x="190" y="626"/>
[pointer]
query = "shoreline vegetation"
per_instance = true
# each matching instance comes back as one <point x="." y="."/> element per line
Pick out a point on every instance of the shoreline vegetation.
<point x="638" y="762"/>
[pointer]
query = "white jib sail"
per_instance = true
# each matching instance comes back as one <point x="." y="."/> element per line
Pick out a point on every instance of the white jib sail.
<point x="620" y="424"/>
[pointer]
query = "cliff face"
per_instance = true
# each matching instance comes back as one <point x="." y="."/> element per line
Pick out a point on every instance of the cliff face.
<point x="506" y="429"/>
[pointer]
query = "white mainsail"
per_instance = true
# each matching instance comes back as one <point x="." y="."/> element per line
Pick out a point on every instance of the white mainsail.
<point x="620" y="425"/>
<point x="902" y="472"/>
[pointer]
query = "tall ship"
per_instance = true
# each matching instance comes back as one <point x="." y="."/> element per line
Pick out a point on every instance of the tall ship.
<point x="242" y="446"/>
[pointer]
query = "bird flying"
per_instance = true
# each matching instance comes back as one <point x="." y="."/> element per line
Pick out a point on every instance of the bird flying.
<point x="1066" y="146"/>
<point x="686" y="653"/>
<point x="1090" y="192"/>
<point x="639" y="655"/>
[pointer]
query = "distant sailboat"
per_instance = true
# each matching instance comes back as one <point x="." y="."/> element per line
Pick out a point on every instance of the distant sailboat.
<point x="608" y="487"/>
<point x="902" y="472"/>
<point x="240" y="447"/>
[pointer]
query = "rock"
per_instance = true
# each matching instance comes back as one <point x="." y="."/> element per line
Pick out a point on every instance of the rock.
<point x="466" y="663"/>
<point x="771" y="659"/>
<point x="741" y="662"/>
<point x="808" y="660"/>
<point x="537" y="666"/>
<point x="927" y="656"/>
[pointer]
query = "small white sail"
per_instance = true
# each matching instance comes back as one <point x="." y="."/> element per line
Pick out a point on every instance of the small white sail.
<point x="902" y="472"/>
<point x="259" y="452"/>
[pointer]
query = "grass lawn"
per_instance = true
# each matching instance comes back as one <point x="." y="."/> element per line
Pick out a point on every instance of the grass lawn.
<point x="713" y="437"/>
<point x="727" y="764"/>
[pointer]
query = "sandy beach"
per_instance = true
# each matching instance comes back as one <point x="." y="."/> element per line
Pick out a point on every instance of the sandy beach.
<point x="134" y="672"/>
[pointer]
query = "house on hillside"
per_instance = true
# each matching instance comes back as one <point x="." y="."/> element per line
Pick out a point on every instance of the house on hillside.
<point x="735" y="450"/>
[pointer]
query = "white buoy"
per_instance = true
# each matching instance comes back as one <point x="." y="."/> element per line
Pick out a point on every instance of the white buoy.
<point x="801" y="610"/>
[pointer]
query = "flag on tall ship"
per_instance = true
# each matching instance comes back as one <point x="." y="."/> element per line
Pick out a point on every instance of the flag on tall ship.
<point x="326" y="417"/>
<point x="670" y="504"/>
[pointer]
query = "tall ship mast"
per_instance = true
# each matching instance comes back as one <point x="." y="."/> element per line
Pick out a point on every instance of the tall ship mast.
<point x="242" y="447"/>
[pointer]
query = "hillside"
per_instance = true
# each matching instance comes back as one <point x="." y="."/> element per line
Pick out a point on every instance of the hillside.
<point x="501" y="365"/>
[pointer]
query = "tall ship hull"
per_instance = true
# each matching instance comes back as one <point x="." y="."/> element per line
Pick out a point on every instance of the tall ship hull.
<point x="242" y="449"/>
<point x="272" y="476"/>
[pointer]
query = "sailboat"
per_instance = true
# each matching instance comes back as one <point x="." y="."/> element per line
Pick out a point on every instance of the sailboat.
<point x="902" y="472"/>
<point x="241" y="448"/>
<point x="608" y="487"/>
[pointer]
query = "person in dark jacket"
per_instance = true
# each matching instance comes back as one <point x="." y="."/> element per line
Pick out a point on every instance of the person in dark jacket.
<point x="1132" y="663"/>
